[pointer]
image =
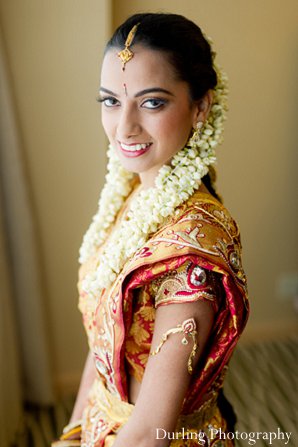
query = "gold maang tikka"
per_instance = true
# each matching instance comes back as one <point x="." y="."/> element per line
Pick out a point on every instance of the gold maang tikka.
<point x="126" y="54"/>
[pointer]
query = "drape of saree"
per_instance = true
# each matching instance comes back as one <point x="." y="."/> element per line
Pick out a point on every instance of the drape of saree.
<point x="203" y="233"/>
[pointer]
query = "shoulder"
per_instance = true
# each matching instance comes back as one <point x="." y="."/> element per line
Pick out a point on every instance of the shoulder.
<point x="209" y="215"/>
<point x="201" y="241"/>
<point x="201" y="226"/>
<point x="202" y="230"/>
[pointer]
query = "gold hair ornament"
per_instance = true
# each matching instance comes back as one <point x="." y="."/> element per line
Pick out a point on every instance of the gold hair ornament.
<point x="188" y="328"/>
<point x="126" y="54"/>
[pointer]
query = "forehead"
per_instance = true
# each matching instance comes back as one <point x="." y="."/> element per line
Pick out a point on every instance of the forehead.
<point x="147" y="67"/>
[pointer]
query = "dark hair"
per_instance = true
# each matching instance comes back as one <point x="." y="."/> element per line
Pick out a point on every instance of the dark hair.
<point x="185" y="46"/>
<point x="183" y="42"/>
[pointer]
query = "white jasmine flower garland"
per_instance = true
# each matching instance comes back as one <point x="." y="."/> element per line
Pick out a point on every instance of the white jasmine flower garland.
<point x="148" y="210"/>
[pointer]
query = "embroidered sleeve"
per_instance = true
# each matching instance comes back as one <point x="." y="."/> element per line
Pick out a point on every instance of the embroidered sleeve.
<point x="188" y="283"/>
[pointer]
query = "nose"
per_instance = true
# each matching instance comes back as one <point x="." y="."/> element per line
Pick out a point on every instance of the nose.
<point x="129" y="123"/>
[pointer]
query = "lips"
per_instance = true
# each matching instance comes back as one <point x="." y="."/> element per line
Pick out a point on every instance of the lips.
<point x="135" y="149"/>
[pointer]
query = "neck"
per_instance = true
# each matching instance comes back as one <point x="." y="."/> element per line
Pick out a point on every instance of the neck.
<point x="147" y="179"/>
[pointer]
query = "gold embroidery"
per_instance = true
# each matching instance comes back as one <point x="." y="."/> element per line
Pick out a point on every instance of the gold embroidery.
<point x="148" y="313"/>
<point x="200" y="416"/>
<point x="192" y="236"/>
<point x="231" y="253"/>
<point x="139" y="333"/>
<point x="178" y="286"/>
<point x="132" y="347"/>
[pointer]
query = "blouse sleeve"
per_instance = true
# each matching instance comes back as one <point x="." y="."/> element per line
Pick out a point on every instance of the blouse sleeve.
<point x="187" y="283"/>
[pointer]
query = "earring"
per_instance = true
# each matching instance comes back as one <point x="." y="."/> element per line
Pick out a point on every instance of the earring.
<point x="196" y="136"/>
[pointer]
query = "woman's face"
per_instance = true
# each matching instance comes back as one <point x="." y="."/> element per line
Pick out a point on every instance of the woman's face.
<point x="147" y="113"/>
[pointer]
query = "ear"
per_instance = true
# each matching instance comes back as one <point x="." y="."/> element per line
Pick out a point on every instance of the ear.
<point x="203" y="108"/>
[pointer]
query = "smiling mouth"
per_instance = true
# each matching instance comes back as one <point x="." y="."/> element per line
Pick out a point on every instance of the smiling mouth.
<point x="134" y="147"/>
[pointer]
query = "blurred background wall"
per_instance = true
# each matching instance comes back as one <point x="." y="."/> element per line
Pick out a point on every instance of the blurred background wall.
<point x="53" y="51"/>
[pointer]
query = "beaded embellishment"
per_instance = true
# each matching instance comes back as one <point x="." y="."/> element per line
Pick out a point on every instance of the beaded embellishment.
<point x="189" y="283"/>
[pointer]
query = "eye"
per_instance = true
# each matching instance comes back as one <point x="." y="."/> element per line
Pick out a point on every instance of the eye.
<point x="108" y="101"/>
<point x="153" y="103"/>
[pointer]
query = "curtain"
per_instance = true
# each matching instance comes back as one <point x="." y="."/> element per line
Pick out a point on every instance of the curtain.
<point x="24" y="348"/>
<point x="10" y="386"/>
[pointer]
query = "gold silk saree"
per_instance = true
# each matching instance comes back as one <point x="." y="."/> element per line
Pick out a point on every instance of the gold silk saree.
<point x="120" y="322"/>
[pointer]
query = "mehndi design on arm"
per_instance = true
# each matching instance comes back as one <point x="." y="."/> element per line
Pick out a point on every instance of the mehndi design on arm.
<point x="189" y="329"/>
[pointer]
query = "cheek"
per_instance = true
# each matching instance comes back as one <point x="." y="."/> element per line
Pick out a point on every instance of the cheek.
<point x="164" y="127"/>
<point x="176" y="128"/>
<point x="107" y="123"/>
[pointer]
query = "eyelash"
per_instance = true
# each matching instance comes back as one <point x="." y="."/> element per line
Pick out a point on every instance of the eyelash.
<point x="103" y="100"/>
<point x="160" y="102"/>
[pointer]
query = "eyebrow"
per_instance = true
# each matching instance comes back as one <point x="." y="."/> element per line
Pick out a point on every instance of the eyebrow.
<point x="105" y="90"/>
<point x="153" y="90"/>
<point x="141" y="93"/>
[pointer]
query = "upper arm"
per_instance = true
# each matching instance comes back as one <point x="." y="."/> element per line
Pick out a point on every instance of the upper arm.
<point x="166" y="377"/>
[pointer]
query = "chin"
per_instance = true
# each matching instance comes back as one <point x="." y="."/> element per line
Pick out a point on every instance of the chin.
<point x="133" y="164"/>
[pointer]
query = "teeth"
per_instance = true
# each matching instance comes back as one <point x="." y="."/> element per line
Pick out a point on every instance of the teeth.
<point x="135" y="147"/>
